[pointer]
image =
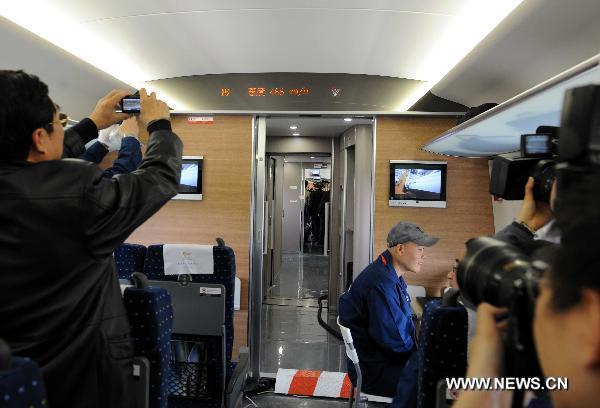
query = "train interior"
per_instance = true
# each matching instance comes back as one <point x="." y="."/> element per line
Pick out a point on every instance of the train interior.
<point x="308" y="131"/>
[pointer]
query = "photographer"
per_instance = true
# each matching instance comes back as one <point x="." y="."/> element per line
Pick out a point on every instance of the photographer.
<point x="61" y="220"/>
<point x="549" y="320"/>
<point x="566" y="331"/>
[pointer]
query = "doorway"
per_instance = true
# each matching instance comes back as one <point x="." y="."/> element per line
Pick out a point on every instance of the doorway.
<point x="310" y="216"/>
<point x="297" y="262"/>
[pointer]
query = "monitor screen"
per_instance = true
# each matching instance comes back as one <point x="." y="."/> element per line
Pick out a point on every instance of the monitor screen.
<point x="417" y="184"/>
<point x="190" y="183"/>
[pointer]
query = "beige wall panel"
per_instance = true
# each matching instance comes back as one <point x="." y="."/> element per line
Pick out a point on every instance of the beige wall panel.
<point x="225" y="209"/>
<point x="469" y="206"/>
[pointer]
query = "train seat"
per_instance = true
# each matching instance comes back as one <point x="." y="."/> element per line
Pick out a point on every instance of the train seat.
<point x="129" y="258"/>
<point x="151" y="318"/>
<point x="443" y="349"/>
<point x="358" y="400"/>
<point x="199" y="278"/>
<point x="21" y="382"/>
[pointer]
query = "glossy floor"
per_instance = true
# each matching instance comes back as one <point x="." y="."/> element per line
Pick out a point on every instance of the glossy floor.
<point x="270" y="400"/>
<point x="301" y="276"/>
<point x="293" y="338"/>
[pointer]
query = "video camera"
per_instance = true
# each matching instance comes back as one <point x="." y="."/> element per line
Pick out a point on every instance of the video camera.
<point x="576" y="145"/>
<point x="537" y="159"/>
<point x="504" y="275"/>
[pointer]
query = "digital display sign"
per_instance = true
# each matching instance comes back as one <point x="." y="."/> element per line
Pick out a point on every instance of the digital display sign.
<point x="263" y="91"/>
<point x="289" y="91"/>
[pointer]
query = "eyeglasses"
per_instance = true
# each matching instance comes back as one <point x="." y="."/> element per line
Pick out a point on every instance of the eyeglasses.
<point x="62" y="122"/>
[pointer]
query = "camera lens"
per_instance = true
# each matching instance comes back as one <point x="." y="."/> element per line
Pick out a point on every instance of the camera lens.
<point x="491" y="272"/>
<point x="544" y="176"/>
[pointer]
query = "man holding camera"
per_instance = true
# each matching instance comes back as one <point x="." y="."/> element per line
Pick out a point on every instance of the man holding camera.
<point x="61" y="220"/>
<point x="560" y="284"/>
<point x="376" y="308"/>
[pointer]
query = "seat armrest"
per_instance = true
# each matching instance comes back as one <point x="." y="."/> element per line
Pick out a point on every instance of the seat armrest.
<point x="141" y="375"/>
<point x="235" y="388"/>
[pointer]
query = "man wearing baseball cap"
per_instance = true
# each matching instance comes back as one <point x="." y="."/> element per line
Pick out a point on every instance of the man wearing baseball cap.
<point x="377" y="310"/>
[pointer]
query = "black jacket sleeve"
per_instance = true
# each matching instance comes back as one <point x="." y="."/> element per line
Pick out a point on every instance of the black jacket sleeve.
<point x="77" y="136"/>
<point x="515" y="234"/>
<point x="114" y="207"/>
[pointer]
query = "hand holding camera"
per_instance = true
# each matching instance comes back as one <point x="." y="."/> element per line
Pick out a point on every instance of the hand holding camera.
<point x="534" y="214"/>
<point x="104" y="113"/>
<point x="151" y="109"/>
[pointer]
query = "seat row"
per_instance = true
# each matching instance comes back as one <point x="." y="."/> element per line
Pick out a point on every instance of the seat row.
<point x="131" y="258"/>
<point x="200" y="281"/>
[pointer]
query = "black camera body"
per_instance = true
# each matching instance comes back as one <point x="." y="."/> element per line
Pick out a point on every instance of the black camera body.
<point x="131" y="103"/>
<point x="537" y="159"/>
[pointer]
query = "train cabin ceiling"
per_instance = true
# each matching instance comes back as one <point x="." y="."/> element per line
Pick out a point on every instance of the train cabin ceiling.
<point x="509" y="45"/>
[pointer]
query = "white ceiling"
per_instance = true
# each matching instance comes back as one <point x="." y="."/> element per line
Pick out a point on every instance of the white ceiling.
<point x="380" y="37"/>
<point x="384" y="37"/>
<point x="323" y="127"/>
<point x="539" y="40"/>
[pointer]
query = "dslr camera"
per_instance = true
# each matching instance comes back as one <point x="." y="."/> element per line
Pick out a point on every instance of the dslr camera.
<point x="537" y="159"/>
<point x="503" y="275"/>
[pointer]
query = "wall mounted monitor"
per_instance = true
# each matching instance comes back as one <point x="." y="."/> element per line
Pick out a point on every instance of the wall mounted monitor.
<point x="417" y="183"/>
<point x="190" y="184"/>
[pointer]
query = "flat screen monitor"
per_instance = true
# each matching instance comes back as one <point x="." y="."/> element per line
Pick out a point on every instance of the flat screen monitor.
<point x="417" y="183"/>
<point x="190" y="184"/>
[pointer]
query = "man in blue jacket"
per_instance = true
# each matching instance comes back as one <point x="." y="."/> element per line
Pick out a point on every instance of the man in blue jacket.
<point x="377" y="310"/>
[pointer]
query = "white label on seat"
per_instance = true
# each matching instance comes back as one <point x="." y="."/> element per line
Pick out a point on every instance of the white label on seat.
<point x="208" y="291"/>
<point x="136" y="370"/>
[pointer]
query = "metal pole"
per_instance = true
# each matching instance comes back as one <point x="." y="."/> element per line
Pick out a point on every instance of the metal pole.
<point x="326" y="238"/>
<point x="256" y="246"/>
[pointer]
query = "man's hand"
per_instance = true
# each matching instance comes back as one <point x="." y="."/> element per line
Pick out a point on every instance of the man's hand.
<point x="151" y="109"/>
<point x="486" y="354"/>
<point x="104" y="113"/>
<point x="129" y="127"/>
<point x="534" y="214"/>
<point x="486" y="359"/>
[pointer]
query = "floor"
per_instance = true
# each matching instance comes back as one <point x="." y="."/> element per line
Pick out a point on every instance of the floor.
<point x="291" y="334"/>
<point x="293" y="338"/>
<point x="271" y="400"/>
<point x="302" y="276"/>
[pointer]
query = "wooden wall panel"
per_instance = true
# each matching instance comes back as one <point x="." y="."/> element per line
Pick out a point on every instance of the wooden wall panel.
<point x="225" y="209"/>
<point x="469" y="206"/>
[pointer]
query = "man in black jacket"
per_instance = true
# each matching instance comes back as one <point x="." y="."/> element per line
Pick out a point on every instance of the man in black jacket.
<point x="60" y="301"/>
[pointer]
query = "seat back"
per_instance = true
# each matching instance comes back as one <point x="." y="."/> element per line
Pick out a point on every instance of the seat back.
<point x="224" y="274"/>
<point x="129" y="258"/>
<point x="199" y="369"/>
<point x="151" y="319"/>
<point x="21" y="383"/>
<point x="348" y="342"/>
<point x="443" y="348"/>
